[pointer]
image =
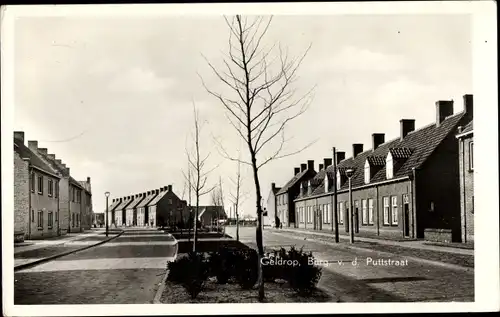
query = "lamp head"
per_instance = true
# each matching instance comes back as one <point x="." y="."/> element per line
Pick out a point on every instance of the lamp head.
<point x="106" y="194"/>
<point x="349" y="172"/>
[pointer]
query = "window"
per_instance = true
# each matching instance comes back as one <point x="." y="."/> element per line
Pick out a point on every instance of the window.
<point x="367" y="172"/>
<point x="389" y="166"/>
<point x="394" y="214"/>
<point x="364" y="208"/>
<point x="77" y="220"/>
<point x="78" y="196"/>
<point x="33" y="180"/>
<point x="50" y="219"/>
<point x="341" y="212"/>
<point x="386" y="211"/>
<point x="72" y="220"/>
<point x="40" y="220"/>
<point x="170" y="201"/>
<point x="328" y="213"/>
<point x="50" y="185"/>
<point x="301" y="214"/>
<point x="40" y="184"/>
<point x="471" y="156"/>
<point x="472" y="209"/>
<point x="32" y="215"/>
<point x="370" y="211"/>
<point x="57" y="216"/>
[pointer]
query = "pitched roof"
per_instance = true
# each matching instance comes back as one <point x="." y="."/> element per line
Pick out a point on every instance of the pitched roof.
<point x="376" y="160"/>
<point x="76" y="183"/>
<point x="146" y="200"/>
<point x="25" y="152"/>
<point x="413" y="150"/>
<point x="211" y="210"/>
<point x="155" y="200"/>
<point x="123" y="204"/>
<point x="466" y="130"/>
<point x="114" y="205"/>
<point x="276" y="190"/>
<point x="135" y="202"/>
<point x="293" y="181"/>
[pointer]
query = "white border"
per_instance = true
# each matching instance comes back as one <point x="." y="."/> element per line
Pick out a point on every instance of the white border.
<point x="486" y="172"/>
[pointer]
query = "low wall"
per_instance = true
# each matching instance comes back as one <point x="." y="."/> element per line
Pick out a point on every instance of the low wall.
<point x="438" y="235"/>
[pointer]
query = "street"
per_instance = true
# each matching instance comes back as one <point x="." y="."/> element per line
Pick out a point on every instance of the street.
<point x="125" y="270"/>
<point x="373" y="276"/>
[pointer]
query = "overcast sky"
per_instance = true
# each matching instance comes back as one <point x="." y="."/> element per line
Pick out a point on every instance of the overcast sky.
<point x="112" y="97"/>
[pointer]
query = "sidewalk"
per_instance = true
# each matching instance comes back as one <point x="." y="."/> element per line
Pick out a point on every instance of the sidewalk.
<point x="411" y="244"/>
<point x="33" y="252"/>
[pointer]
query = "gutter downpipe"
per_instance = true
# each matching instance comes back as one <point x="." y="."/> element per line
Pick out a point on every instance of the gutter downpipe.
<point x="335" y="224"/>
<point x="463" y="213"/>
<point x="30" y="170"/>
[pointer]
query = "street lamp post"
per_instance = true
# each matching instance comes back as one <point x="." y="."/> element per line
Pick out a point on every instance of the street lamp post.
<point x="349" y="174"/>
<point x="107" y="212"/>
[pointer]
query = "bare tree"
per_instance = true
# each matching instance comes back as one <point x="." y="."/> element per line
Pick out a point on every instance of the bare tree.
<point x="237" y="197"/>
<point x="197" y="172"/>
<point x="261" y="100"/>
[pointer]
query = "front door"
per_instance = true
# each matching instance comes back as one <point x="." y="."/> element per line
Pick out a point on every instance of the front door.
<point x="406" y="208"/>
<point x="347" y="220"/>
<point x="356" y="219"/>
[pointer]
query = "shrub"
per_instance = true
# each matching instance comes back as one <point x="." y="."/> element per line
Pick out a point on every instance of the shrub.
<point x="272" y="272"/>
<point x="302" y="276"/>
<point x="246" y="264"/>
<point x="190" y="271"/>
<point x="222" y="264"/>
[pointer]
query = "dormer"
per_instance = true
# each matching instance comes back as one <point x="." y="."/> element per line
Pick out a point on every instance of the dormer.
<point x="395" y="159"/>
<point x="301" y="188"/>
<point x="341" y="176"/>
<point x="309" y="187"/>
<point x="326" y="183"/>
<point x="373" y="164"/>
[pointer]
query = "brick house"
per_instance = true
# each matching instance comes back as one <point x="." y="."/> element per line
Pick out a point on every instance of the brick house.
<point x="404" y="188"/>
<point x="111" y="211"/>
<point x="285" y="197"/>
<point x="75" y="197"/>
<point x="465" y="138"/>
<point x="143" y="209"/>
<point x="271" y="204"/>
<point x="36" y="197"/>
<point x="167" y="208"/>
<point x="131" y="210"/>
<point x="120" y="215"/>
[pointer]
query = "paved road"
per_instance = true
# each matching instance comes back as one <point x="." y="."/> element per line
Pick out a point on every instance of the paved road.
<point x="126" y="270"/>
<point x="366" y="282"/>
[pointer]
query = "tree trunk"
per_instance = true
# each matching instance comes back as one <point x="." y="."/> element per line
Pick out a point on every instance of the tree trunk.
<point x="260" y="246"/>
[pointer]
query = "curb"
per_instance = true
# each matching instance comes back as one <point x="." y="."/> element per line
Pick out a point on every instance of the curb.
<point x="430" y="262"/>
<point x="159" y="291"/>
<point x="50" y="258"/>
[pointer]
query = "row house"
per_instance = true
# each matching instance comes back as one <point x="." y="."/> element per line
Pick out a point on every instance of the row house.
<point x="405" y="188"/>
<point x="207" y="215"/>
<point x="465" y="138"/>
<point x="158" y="207"/>
<point x="285" y="197"/>
<point x="46" y="196"/>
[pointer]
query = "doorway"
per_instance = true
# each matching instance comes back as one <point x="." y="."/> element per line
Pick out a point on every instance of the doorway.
<point x="356" y="218"/>
<point x="406" y="210"/>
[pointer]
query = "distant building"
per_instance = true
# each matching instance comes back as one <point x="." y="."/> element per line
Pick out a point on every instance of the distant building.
<point x="98" y="219"/>
<point x="285" y="204"/>
<point x="466" y="164"/>
<point x="209" y="214"/>
<point x="271" y="205"/>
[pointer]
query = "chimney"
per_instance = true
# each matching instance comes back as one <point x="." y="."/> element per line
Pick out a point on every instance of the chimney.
<point x="66" y="171"/>
<point x="327" y="162"/>
<point x="310" y="165"/>
<point x="51" y="156"/>
<point x="273" y="186"/>
<point x="33" y="145"/>
<point x="113" y="200"/>
<point x="459" y="129"/>
<point x="340" y="157"/>
<point x="320" y="166"/>
<point x="377" y="140"/>
<point x="157" y="192"/>
<point x="19" y="135"/>
<point x="303" y="167"/>
<point x="444" y="108"/>
<point x="43" y="151"/>
<point x="406" y="126"/>
<point x="357" y="148"/>
<point x="296" y="170"/>
<point x="169" y="188"/>
<point x="88" y="179"/>
<point x="161" y="189"/>
<point x="165" y="187"/>
<point x="468" y="105"/>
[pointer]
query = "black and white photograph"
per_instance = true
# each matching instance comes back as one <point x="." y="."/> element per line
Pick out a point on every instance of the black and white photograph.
<point x="315" y="157"/>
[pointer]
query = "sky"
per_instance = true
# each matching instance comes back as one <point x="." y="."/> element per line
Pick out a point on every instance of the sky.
<point x="113" y="97"/>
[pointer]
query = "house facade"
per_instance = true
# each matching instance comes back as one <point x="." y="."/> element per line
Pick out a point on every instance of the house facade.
<point x="466" y="166"/>
<point x="36" y="199"/>
<point x="271" y="205"/>
<point x="405" y="188"/>
<point x="285" y="197"/>
<point x="143" y="209"/>
<point x="207" y="215"/>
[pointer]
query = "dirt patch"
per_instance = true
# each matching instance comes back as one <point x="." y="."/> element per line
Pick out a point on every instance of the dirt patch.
<point x="232" y="293"/>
